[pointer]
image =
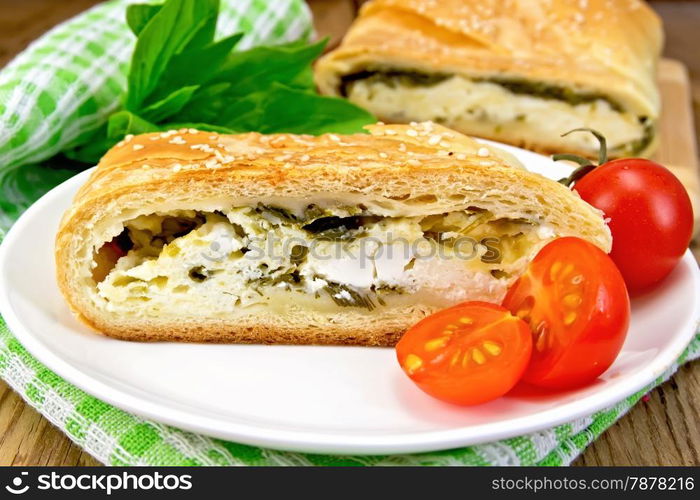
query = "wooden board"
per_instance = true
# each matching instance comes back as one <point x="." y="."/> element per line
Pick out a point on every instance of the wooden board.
<point x="678" y="147"/>
<point x="663" y="430"/>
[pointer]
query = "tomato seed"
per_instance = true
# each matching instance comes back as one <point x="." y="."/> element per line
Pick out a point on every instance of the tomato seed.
<point x="554" y="270"/>
<point x="572" y="300"/>
<point x="478" y="356"/>
<point x="492" y="348"/>
<point x="435" y="344"/>
<point x="567" y="270"/>
<point x="412" y="364"/>
<point x="569" y="318"/>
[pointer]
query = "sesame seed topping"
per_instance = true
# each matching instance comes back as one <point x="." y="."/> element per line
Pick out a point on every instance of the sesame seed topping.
<point x="411" y="133"/>
<point x="483" y="152"/>
<point x="390" y="131"/>
<point x="334" y="137"/>
<point x="461" y="156"/>
<point x="383" y="155"/>
<point x="434" y="139"/>
<point x="136" y="147"/>
<point x="203" y="147"/>
<point x="177" y="167"/>
<point x="305" y="158"/>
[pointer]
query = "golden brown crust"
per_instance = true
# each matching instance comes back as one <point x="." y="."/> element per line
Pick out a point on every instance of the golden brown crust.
<point x="405" y="165"/>
<point x="225" y="333"/>
<point x="602" y="46"/>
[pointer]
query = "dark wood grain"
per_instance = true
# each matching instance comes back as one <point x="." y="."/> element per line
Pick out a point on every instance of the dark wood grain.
<point x="21" y="21"/>
<point x="661" y="431"/>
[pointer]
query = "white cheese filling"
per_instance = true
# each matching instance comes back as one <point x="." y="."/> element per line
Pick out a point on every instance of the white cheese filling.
<point x="250" y="257"/>
<point x="491" y="110"/>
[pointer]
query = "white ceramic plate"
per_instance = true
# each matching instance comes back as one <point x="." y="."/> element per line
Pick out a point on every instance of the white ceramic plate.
<point x="347" y="400"/>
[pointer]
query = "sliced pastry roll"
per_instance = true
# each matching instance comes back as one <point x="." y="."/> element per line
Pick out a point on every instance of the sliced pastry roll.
<point x="517" y="71"/>
<point x="194" y="236"/>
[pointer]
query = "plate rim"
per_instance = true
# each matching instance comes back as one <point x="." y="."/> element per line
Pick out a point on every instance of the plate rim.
<point x="329" y="442"/>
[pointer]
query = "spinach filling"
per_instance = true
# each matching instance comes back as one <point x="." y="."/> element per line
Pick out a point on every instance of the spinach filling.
<point x="519" y="86"/>
<point x="149" y="236"/>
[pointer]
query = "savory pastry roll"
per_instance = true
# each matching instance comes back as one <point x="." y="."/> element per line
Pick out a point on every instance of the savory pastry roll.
<point x="195" y="236"/>
<point x="517" y="71"/>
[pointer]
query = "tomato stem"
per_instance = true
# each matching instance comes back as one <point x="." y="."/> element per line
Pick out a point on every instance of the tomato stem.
<point x="577" y="174"/>
<point x="585" y="164"/>
<point x="603" y="148"/>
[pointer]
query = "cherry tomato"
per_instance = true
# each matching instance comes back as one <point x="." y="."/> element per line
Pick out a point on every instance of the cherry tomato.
<point x="468" y="354"/>
<point x="575" y="301"/>
<point x="651" y="218"/>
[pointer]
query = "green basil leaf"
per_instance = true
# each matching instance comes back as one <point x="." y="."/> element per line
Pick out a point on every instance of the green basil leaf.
<point x="126" y="122"/>
<point x="194" y="67"/>
<point x="92" y="148"/>
<point x="170" y="105"/>
<point x="22" y="186"/>
<point x="284" y="109"/>
<point x="252" y="71"/>
<point x="138" y="15"/>
<point x="172" y="29"/>
<point x="119" y="124"/>
<point x="205" y="127"/>
<point x="205" y="35"/>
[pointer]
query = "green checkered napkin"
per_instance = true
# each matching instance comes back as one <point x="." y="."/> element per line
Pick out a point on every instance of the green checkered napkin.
<point x="62" y="88"/>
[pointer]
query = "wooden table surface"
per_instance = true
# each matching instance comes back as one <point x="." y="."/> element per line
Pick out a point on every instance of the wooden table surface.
<point x="663" y="430"/>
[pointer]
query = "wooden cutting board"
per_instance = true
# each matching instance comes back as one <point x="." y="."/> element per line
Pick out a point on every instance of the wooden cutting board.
<point x="678" y="149"/>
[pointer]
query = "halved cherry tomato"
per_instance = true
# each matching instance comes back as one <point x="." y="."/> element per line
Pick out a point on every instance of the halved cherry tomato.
<point x="575" y="301"/>
<point x="468" y="354"/>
